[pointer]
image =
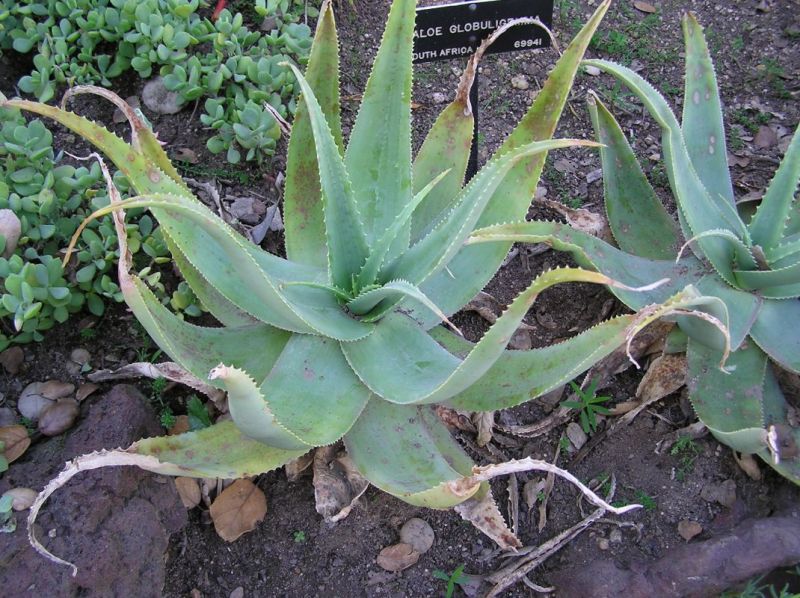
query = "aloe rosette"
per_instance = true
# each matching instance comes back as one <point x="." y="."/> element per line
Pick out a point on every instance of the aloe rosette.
<point x="348" y="338"/>
<point x="745" y="262"/>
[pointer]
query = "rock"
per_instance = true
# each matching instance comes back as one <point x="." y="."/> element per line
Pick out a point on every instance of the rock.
<point x="724" y="493"/>
<point x="765" y="138"/>
<point x="12" y="358"/>
<point x="58" y="417"/>
<point x="418" y="534"/>
<point x="159" y="99"/>
<point x="438" y="98"/>
<point x="591" y="70"/>
<point x="77" y="360"/>
<point x="697" y="569"/>
<point x="113" y="523"/>
<point x="248" y="209"/>
<point x="520" y="82"/>
<point x="10" y="228"/>
<point x="689" y="529"/>
<point x="603" y="544"/>
<point x="576" y="435"/>
<point x="269" y="23"/>
<point x="397" y="557"/>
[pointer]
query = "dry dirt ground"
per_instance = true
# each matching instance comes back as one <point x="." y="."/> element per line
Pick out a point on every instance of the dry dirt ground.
<point x="755" y="47"/>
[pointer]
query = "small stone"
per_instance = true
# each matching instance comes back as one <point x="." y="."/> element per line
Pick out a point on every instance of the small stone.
<point x="603" y="544"/>
<point x="269" y="24"/>
<point x="10" y="229"/>
<point x="80" y="356"/>
<point x="12" y="358"/>
<point x="159" y="99"/>
<point x="615" y="537"/>
<point x="592" y="70"/>
<point x="689" y="529"/>
<point x="520" y="82"/>
<point x="594" y="175"/>
<point x="7" y="417"/>
<point x="237" y="593"/>
<point x="418" y="534"/>
<point x="59" y="417"/>
<point x="21" y="498"/>
<point x="438" y="98"/>
<point x="576" y="435"/>
<point x="248" y="210"/>
<point x="766" y="137"/>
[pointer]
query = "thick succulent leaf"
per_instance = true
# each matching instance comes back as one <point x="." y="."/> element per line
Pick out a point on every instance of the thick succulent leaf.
<point x="144" y="175"/>
<point x="378" y="154"/>
<point x="775" y="332"/>
<point x="247" y="276"/>
<point x="703" y="130"/>
<point x="472" y="267"/>
<point x="312" y="391"/>
<point x="347" y="246"/>
<point x="729" y="404"/>
<point x="637" y="217"/>
<point x="742" y="308"/>
<point x="250" y="410"/>
<point x="380" y="249"/>
<point x="769" y="224"/>
<point x="446" y="147"/>
<point x="219" y="451"/>
<point x="701" y="210"/>
<point x="432" y="253"/>
<point x="423" y="371"/>
<point x="254" y="347"/>
<point x="772" y="284"/>
<point x="406" y="451"/>
<point x="591" y="252"/>
<point x="302" y="200"/>
<point x="519" y="376"/>
<point x="212" y="300"/>
<point x="785" y="254"/>
<point x="391" y="292"/>
<point x="783" y="455"/>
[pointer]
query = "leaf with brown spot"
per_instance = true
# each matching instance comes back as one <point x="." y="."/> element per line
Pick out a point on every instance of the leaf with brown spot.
<point x="238" y="509"/>
<point x="16" y="442"/>
<point x="189" y="491"/>
<point x="397" y="557"/>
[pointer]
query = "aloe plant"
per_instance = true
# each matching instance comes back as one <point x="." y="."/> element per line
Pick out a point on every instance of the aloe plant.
<point x="746" y="263"/>
<point x="348" y="337"/>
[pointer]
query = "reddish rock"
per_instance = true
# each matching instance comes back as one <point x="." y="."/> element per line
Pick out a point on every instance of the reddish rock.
<point x="114" y="523"/>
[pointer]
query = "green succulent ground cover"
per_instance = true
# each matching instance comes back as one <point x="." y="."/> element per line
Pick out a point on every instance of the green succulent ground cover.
<point x="237" y="70"/>
<point x="51" y="198"/>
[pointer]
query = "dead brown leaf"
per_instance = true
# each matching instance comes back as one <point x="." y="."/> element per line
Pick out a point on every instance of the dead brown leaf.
<point x="766" y="137"/>
<point x="185" y="154"/>
<point x="180" y="426"/>
<point x="397" y="557"/>
<point x="748" y="464"/>
<point x="484" y="421"/>
<point x="296" y="467"/>
<point x="189" y="491"/>
<point x="582" y="219"/>
<point x="484" y="514"/>
<point x="84" y="390"/>
<point x="665" y="375"/>
<point x="337" y="483"/>
<point x="238" y="509"/>
<point x="644" y="6"/>
<point x="689" y="529"/>
<point x="16" y="442"/>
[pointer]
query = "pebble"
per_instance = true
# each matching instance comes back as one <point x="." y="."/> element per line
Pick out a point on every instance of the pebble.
<point x="592" y="70"/>
<point x="10" y="228"/>
<point x="438" y="98"/>
<point x="159" y="99"/>
<point x="520" y="82"/>
<point x="59" y="417"/>
<point x="418" y="534"/>
<point x="723" y="493"/>
<point x="603" y="544"/>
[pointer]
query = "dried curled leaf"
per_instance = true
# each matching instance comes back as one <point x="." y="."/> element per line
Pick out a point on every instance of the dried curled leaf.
<point x="238" y="509"/>
<point x="337" y="484"/>
<point x="397" y="557"/>
<point x="189" y="491"/>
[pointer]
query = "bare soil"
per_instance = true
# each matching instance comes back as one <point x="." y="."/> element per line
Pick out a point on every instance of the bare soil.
<point x="756" y="50"/>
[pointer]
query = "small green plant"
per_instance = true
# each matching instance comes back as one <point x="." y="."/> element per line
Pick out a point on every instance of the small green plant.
<point x="749" y="119"/>
<point x="643" y="498"/>
<point x="452" y="579"/>
<point x="775" y="74"/>
<point x="756" y="588"/>
<point x="299" y="536"/>
<point x="88" y="333"/>
<point x="687" y="451"/>
<point x="198" y="414"/>
<point x="588" y="405"/>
